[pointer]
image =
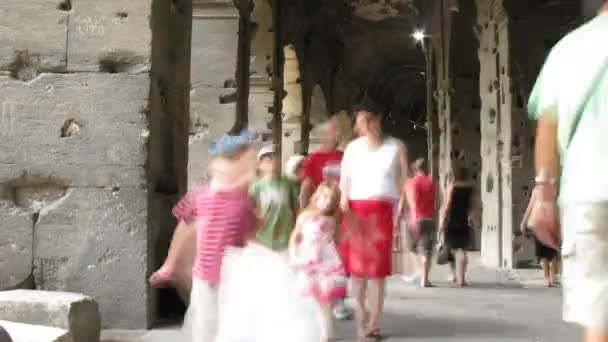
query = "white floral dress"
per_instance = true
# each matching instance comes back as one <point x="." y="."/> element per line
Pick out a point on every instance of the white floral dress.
<point x="320" y="271"/>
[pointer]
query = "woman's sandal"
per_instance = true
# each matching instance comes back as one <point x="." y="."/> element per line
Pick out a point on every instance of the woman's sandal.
<point x="374" y="335"/>
<point x="162" y="278"/>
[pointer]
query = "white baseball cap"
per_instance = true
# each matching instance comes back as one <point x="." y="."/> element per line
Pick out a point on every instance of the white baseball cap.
<point x="292" y="165"/>
<point x="268" y="149"/>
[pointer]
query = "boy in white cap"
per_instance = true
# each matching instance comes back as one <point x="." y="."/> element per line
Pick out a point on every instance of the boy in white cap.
<point x="276" y="198"/>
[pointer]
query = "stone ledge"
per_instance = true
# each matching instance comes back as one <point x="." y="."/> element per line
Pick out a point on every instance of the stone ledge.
<point x="20" y="332"/>
<point x="76" y="313"/>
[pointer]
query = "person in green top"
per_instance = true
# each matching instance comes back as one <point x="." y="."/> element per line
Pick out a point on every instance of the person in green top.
<point x="570" y="102"/>
<point x="276" y="198"/>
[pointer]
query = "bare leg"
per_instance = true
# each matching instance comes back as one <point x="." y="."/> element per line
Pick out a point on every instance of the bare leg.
<point x="461" y="256"/>
<point x="546" y="271"/>
<point x="453" y="269"/>
<point x="327" y="323"/>
<point x="426" y="266"/>
<point x="592" y="335"/>
<point x="554" y="270"/>
<point x="376" y="294"/>
<point x="178" y="264"/>
<point x="359" y="291"/>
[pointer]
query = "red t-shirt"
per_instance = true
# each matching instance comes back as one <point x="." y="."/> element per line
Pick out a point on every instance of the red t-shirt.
<point x="320" y="164"/>
<point x="423" y="189"/>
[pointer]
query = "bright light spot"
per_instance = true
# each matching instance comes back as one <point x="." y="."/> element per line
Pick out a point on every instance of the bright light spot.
<point x="418" y="35"/>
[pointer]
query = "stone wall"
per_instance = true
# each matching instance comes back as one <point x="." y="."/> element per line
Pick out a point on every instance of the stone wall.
<point x="84" y="94"/>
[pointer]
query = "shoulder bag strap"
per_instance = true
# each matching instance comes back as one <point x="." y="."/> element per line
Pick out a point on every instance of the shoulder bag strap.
<point x="585" y="101"/>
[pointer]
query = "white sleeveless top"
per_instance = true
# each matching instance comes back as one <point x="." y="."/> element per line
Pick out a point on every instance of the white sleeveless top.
<point x="372" y="172"/>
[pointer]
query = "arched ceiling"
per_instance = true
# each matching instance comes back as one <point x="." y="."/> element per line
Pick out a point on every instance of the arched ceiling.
<point x="351" y="47"/>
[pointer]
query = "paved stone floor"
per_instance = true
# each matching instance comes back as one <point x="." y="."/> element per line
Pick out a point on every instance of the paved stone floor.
<point x="497" y="307"/>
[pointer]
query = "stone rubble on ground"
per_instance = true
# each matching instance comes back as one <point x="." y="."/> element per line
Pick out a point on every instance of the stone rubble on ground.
<point x="73" y="312"/>
<point x="20" y="332"/>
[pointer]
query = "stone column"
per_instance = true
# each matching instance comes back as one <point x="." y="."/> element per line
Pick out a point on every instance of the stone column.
<point x="515" y="38"/>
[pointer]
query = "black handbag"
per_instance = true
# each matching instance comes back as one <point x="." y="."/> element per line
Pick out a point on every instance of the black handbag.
<point x="444" y="253"/>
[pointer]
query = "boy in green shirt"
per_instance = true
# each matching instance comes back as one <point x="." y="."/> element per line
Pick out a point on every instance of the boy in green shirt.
<point x="276" y="199"/>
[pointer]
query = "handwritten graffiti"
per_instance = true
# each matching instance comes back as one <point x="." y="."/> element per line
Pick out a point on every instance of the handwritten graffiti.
<point x="6" y="34"/>
<point x="8" y="116"/>
<point x="95" y="26"/>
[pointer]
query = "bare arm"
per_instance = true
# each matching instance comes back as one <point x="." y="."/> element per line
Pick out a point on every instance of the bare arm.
<point x="403" y="163"/>
<point x="447" y="201"/>
<point x="475" y="210"/>
<point x="401" y="207"/>
<point x="528" y="211"/>
<point x="344" y="180"/>
<point x="546" y="155"/>
<point x="295" y="234"/>
<point x="305" y="192"/>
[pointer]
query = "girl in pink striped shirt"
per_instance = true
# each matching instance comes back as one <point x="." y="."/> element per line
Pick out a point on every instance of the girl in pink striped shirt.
<point x="222" y="216"/>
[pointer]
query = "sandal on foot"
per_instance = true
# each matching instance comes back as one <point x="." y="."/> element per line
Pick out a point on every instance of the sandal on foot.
<point x="162" y="278"/>
<point x="374" y="335"/>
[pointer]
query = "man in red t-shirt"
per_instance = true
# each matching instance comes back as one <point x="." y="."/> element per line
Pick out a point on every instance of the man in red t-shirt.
<point x="322" y="165"/>
<point x="420" y="192"/>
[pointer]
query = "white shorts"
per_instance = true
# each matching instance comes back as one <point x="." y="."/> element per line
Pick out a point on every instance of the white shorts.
<point x="585" y="264"/>
<point x="201" y="321"/>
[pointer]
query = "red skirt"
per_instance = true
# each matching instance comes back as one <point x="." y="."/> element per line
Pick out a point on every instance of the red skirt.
<point x="367" y="250"/>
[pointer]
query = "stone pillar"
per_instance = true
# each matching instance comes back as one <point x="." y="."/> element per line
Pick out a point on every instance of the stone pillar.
<point x="515" y="38"/>
<point x="458" y="93"/>
<point x="93" y="124"/>
<point x="292" y="104"/>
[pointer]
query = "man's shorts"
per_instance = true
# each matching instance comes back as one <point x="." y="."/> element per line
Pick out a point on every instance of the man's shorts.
<point x="424" y="244"/>
<point x="585" y="264"/>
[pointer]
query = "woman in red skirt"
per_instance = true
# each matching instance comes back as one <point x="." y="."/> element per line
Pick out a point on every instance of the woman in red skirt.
<point x="372" y="172"/>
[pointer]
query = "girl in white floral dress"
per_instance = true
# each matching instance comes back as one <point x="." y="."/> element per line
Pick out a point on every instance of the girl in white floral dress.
<point x="320" y="272"/>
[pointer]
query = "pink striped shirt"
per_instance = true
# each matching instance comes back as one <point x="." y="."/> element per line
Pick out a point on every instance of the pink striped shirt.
<point x="221" y="219"/>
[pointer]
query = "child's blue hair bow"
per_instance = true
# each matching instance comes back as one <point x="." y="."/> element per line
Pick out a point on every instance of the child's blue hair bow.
<point x="226" y="144"/>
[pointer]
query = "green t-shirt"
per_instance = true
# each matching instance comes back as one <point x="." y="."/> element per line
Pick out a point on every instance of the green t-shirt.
<point x="276" y="199"/>
<point x="568" y="74"/>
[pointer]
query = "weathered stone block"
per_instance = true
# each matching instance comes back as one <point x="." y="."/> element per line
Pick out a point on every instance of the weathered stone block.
<point x="42" y="42"/>
<point x="76" y="313"/>
<point x="16" y="238"/>
<point x="83" y="129"/>
<point x="95" y="242"/>
<point x="109" y="36"/>
<point x="20" y="332"/>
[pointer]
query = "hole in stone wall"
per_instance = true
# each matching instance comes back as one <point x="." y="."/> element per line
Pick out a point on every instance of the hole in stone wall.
<point x="65" y="5"/>
<point x="475" y="175"/>
<point x="478" y="128"/>
<point x="492" y="115"/>
<point x="227" y="98"/>
<point x="119" y="62"/>
<point x="115" y="189"/>
<point x="24" y="67"/>
<point x="122" y="15"/>
<point x="70" y="127"/>
<point x="32" y="192"/>
<point x="230" y="83"/>
<point x="489" y="183"/>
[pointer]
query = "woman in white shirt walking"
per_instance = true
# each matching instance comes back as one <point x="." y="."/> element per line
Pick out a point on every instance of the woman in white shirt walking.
<point x="373" y="169"/>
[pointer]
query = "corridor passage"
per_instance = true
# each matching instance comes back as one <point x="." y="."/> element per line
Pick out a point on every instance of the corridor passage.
<point x="496" y="307"/>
